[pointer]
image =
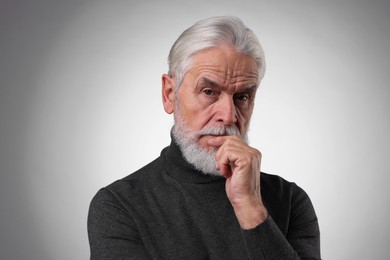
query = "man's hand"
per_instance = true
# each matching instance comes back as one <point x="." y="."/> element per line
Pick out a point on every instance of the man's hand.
<point x="240" y="165"/>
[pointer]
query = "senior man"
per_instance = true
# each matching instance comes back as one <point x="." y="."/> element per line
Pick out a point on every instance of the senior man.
<point x="205" y="197"/>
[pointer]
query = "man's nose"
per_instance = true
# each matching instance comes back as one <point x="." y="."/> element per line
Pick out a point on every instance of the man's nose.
<point x="226" y="110"/>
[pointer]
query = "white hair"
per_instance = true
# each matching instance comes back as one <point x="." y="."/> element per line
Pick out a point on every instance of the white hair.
<point x="202" y="159"/>
<point x="213" y="32"/>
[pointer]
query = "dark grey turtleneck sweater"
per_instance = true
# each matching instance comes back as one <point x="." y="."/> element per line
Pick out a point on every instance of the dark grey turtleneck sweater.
<point x="169" y="210"/>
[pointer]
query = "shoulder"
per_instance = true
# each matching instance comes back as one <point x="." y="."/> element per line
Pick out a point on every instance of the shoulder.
<point x="278" y="191"/>
<point x="133" y="186"/>
<point x="143" y="176"/>
<point x="275" y="184"/>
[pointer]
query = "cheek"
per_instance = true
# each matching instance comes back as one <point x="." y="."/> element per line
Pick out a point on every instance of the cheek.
<point x="202" y="118"/>
<point x="195" y="115"/>
<point x="243" y="118"/>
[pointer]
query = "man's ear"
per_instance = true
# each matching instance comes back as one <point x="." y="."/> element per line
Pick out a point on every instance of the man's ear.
<point x="168" y="93"/>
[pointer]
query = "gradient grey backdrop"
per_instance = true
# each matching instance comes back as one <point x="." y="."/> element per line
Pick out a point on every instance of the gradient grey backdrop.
<point x="80" y="107"/>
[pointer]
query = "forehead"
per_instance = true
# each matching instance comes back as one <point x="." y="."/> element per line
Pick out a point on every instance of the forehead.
<point x="224" y="64"/>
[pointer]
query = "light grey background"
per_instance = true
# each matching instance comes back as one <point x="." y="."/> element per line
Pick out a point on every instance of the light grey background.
<point x="80" y="107"/>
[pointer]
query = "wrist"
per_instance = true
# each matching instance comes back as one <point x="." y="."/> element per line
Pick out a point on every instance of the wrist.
<point x="250" y="213"/>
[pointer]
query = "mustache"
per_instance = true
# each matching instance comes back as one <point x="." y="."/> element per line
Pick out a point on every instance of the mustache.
<point x="220" y="130"/>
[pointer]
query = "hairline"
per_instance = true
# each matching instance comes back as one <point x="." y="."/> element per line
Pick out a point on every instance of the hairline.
<point x="189" y="64"/>
<point x="217" y="32"/>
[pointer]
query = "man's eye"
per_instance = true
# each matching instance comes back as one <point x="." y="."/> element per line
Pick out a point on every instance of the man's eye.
<point x="242" y="97"/>
<point x="208" y="92"/>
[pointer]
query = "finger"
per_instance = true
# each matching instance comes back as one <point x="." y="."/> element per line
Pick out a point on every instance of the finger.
<point x="225" y="170"/>
<point x="225" y="159"/>
<point x="216" y="141"/>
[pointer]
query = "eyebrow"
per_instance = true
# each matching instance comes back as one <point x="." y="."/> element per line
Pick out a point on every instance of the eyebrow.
<point x="250" y="89"/>
<point x="208" y="82"/>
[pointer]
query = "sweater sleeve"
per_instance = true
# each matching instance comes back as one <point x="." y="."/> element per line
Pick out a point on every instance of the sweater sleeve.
<point x="111" y="232"/>
<point x="302" y="241"/>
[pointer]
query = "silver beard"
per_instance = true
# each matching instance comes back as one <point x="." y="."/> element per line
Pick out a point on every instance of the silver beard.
<point x="202" y="159"/>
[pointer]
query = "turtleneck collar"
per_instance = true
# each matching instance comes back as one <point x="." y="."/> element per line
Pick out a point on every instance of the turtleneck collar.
<point x="179" y="169"/>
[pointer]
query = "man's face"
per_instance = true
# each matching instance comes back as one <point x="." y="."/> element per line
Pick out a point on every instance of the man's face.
<point x="218" y="90"/>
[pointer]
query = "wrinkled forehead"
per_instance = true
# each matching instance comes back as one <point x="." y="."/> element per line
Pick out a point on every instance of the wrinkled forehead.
<point x="224" y="64"/>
